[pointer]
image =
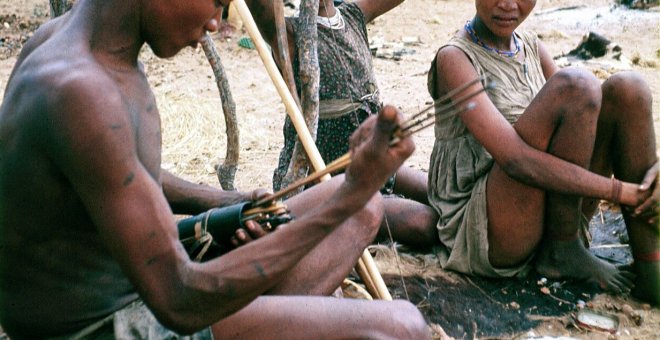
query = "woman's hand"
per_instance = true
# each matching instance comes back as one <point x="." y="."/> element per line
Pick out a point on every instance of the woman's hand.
<point x="650" y="208"/>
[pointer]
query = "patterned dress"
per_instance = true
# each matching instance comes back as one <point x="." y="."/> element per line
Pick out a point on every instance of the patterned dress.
<point x="348" y="92"/>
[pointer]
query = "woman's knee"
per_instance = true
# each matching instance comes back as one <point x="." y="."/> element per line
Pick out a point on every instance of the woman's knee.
<point x="577" y="88"/>
<point x="627" y="89"/>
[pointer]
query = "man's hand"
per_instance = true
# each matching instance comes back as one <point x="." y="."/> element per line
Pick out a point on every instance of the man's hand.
<point x="373" y="159"/>
<point x="254" y="195"/>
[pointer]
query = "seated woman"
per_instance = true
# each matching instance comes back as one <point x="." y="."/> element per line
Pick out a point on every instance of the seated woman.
<point x="516" y="178"/>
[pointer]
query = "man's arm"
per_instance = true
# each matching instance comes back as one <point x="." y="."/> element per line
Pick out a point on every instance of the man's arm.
<point x="189" y="198"/>
<point x="92" y="141"/>
<point x="372" y="9"/>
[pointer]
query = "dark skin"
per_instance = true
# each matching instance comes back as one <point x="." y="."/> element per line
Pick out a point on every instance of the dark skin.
<point x="411" y="213"/>
<point x="87" y="212"/>
<point x="571" y="138"/>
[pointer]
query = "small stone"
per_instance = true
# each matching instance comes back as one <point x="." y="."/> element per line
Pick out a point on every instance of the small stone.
<point x="514" y="305"/>
<point x="545" y="290"/>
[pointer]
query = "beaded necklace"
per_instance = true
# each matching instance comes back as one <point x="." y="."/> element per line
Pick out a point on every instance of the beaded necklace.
<point x="473" y="34"/>
<point x="335" y="22"/>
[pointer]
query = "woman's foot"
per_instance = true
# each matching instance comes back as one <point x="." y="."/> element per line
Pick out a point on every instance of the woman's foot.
<point x="570" y="259"/>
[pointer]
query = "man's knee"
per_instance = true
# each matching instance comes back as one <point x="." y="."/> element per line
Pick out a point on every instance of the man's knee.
<point x="370" y="216"/>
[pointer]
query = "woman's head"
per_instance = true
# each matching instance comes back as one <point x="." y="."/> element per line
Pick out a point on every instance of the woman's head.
<point x="502" y="17"/>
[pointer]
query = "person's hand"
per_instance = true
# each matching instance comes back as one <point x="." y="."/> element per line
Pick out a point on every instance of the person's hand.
<point x="251" y="232"/>
<point x="373" y="159"/>
<point x="650" y="208"/>
<point x="255" y="194"/>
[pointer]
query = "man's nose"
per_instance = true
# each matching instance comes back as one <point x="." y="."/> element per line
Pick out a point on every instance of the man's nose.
<point x="214" y="22"/>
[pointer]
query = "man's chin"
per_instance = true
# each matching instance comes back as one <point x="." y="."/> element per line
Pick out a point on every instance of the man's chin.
<point x="165" y="52"/>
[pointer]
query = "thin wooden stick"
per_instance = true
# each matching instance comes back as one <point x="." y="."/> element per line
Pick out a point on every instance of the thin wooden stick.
<point x="448" y="107"/>
<point x="446" y="97"/>
<point x="361" y="269"/>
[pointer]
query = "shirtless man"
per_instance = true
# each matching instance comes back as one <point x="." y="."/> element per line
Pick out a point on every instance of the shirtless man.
<point x="88" y="240"/>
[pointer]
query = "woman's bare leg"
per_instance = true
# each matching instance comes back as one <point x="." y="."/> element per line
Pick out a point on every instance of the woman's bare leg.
<point x="626" y="146"/>
<point x="562" y="121"/>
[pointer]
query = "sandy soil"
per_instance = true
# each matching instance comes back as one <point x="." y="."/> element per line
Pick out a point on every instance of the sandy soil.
<point x="194" y="138"/>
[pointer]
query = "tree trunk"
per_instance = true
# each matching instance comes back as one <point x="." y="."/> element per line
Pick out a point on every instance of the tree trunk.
<point x="226" y="171"/>
<point x="59" y="7"/>
<point x="306" y="42"/>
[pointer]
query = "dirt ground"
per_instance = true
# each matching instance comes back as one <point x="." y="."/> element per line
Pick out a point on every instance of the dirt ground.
<point x="193" y="125"/>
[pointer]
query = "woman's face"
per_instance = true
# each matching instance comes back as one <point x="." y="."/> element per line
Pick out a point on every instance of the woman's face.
<point x="502" y="17"/>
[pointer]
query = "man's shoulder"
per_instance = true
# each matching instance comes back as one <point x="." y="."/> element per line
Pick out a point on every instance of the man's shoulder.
<point x="62" y="82"/>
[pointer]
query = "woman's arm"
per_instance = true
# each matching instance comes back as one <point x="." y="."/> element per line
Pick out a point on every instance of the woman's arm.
<point x="547" y="64"/>
<point x="372" y="9"/>
<point x="517" y="158"/>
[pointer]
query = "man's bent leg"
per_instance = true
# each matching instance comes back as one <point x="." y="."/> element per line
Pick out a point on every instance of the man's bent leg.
<point x="297" y="317"/>
<point x="326" y="266"/>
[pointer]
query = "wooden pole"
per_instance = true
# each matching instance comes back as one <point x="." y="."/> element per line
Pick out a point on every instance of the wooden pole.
<point x="301" y="128"/>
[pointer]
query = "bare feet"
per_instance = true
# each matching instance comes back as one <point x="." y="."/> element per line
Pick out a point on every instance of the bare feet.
<point x="570" y="259"/>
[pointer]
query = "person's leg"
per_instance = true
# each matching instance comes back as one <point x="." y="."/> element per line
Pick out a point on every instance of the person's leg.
<point x="409" y="222"/>
<point x="326" y="266"/>
<point x="561" y="120"/>
<point x="626" y="146"/>
<point x="412" y="184"/>
<point x="296" y="317"/>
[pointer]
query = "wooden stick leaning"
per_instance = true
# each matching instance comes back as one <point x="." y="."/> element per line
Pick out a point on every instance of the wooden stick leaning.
<point x="298" y="122"/>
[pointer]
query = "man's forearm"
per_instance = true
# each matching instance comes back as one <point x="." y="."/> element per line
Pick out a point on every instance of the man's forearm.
<point x="190" y="198"/>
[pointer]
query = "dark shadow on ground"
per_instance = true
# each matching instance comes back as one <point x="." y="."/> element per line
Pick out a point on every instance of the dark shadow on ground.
<point x="469" y="307"/>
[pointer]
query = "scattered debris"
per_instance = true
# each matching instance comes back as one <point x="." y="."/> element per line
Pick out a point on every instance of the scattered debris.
<point x="639" y="4"/>
<point x="393" y="50"/>
<point x="597" y="51"/>
<point x="246" y="42"/>
<point x="591" y="320"/>
<point x="557" y="9"/>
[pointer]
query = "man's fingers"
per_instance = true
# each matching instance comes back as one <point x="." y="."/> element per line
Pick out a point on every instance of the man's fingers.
<point x="255" y="230"/>
<point x="387" y="122"/>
